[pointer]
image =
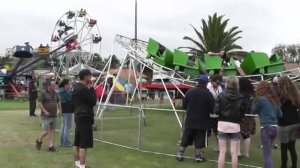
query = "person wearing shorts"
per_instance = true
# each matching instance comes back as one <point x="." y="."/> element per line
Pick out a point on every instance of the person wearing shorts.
<point x="199" y="104"/>
<point x="48" y="102"/>
<point x="229" y="107"/>
<point x="83" y="101"/>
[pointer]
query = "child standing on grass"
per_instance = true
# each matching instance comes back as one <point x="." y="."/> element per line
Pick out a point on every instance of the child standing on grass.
<point x="268" y="108"/>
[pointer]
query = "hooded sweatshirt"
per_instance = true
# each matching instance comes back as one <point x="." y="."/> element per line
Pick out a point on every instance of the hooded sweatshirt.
<point x="230" y="106"/>
<point x="199" y="104"/>
<point x="83" y="101"/>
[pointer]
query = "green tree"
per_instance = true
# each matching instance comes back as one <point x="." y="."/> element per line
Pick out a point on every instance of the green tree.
<point x="115" y="62"/>
<point x="214" y="36"/>
<point x="290" y="53"/>
<point x="97" y="62"/>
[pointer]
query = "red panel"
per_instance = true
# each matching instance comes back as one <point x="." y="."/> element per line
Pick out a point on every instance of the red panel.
<point x="161" y="86"/>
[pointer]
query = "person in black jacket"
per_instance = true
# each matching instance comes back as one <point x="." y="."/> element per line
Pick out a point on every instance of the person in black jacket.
<point x="83" y="101"/>
<point x="33" y="95"/>
<point x="199" y="104"/>
<point x="248" y="125"/>
<point x="229" y="107"/>
<point x="289" y="123"/>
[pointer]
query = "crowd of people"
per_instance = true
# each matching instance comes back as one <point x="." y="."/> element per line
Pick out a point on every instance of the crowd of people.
<point x="226" y="112"/>
<point x="53" y="104"/>
<point x="229" y="112"/>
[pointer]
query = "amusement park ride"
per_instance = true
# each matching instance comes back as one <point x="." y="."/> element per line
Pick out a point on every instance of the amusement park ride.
<point x="76" y="52"/>
<point x="76" y="37"/>
<point x="181" y="71"/>
<point x="75" y="33"/>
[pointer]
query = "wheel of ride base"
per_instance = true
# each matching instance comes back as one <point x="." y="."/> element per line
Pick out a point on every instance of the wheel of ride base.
<point x="81" y="34"/>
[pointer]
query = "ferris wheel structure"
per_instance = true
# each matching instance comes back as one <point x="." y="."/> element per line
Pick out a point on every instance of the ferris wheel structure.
<point x="82" y="34"/>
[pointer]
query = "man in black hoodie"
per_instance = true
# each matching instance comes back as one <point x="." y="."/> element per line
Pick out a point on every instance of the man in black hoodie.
<point x="83" y="101"/>
<point x="199" y="104"/>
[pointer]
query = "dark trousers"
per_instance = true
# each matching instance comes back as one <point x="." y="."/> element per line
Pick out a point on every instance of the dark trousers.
<point x="32" y="106"/>
<point x="285" y="147"/>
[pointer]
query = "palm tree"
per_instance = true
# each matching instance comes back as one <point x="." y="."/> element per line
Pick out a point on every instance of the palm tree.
<point x="215" y="36"/>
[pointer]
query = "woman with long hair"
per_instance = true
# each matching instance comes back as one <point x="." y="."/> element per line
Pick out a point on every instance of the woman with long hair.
<point x="248" y="125"/>
<point x="268" y="108"/>
<point x="229" y="109"/>
<point x="289" y="123"/>
<point x="67" y="113"/>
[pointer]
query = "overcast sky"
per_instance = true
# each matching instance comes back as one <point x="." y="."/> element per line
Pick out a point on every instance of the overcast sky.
<point x="264" y="23"/>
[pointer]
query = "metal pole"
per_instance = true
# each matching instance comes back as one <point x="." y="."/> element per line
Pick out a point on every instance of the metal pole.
<point x="67" y="65"/>
<point x="175" y="112"/>
<point x="105" y="83"/>
<point x="102" y="72"/>
<point x="136" y="87"/>
<point x="135" y="25"/>
<point x="114" y="84"/>
<point x="141" y="110"/>
<point x="108" y="64"/>
<point x="182" y="94"/>
<point x="35" y="60"/>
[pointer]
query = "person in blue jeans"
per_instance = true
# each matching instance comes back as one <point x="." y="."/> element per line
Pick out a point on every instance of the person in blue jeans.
<point x="268" y="108"/>
<point x="67" y="113"/>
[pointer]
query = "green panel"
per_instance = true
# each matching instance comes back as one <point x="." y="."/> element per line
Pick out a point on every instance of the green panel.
<point x="160" y="54"/>
<point x="212" y="62"/>
<point x="275" y="58"/>
<point x="191" y="71"/>
<point x="153" y="48"/>
<point x="167" y="57"/>
<point x="180" y="58"/>
<point x="159" y="61"/>
<point x="277" y="64"/>
<point x="229" y="72"/>
<point x="275" y="68"/>
<point x="255" y="62"/>
<point x="231" y="69"/>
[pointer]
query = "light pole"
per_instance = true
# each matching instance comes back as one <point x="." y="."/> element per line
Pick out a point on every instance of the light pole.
<point x="135" y="25"/>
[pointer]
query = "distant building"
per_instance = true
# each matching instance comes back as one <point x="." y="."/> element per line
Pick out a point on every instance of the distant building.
<point x="290" y="66"/>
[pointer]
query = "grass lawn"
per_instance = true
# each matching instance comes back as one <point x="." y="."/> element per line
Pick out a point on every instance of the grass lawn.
<point x="14" y="105"/>
<point x="161" y="134"/>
